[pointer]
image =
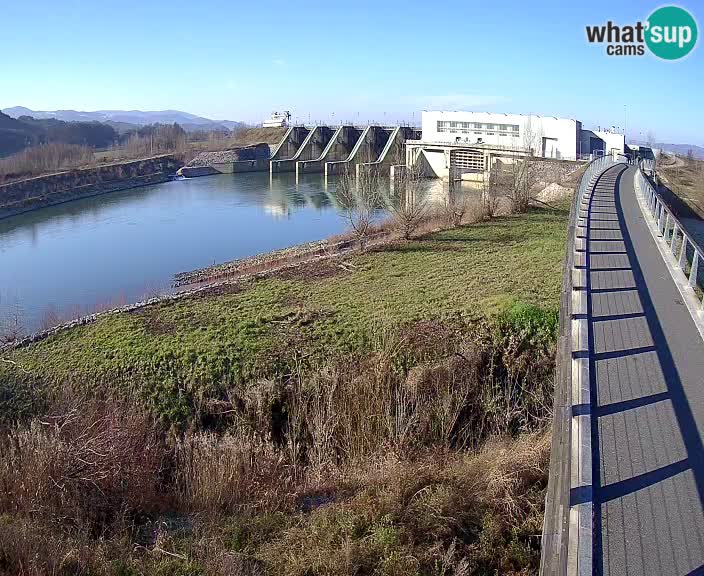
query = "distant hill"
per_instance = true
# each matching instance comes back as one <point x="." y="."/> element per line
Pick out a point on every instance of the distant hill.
<point x="680" y="149"/>
<point x="19" y="133"/>
<point x="119" y="119"/>
<point x="16" y="135"/>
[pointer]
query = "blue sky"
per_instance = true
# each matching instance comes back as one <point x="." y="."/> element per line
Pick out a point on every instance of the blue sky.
<point x="330" y="61"/>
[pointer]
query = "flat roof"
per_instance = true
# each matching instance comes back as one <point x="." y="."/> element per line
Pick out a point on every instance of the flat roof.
<point x="496" y="114"/>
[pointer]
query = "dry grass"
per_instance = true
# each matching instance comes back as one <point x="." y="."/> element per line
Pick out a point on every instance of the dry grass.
<point x="239" y="138"/>
<point x="221" y="474"/>
<point x="684" y="177"/>
<point x="44" y="159"/>
<point x="427" y="455"/>
<point x="90" y="465"/>
<point x="439" y="513"/>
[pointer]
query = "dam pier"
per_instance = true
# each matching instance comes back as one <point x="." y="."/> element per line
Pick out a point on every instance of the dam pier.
<point x="329" y="150"/>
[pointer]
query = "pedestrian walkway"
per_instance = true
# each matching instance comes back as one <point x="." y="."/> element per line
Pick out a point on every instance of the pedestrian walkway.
<point x="646" y="380"/>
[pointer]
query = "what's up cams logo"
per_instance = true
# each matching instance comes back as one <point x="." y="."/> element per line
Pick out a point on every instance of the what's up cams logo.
<point x="669" y="32"/>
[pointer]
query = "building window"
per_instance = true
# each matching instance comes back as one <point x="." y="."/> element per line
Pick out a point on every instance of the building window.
<point x="443" y="126"/>
<point x="457" y="127"/>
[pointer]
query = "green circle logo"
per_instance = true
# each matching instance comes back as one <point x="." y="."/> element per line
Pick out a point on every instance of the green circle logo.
<point x="671" y="32"/>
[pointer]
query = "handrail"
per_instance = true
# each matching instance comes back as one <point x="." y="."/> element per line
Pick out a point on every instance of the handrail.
<point x="672" y="231"/>
<point x="558" y="527"/>
<point x="595" y="167"/>
<point x="647" y="164"/>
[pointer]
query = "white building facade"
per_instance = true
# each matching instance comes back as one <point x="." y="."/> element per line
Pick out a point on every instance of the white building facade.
<point x="545" y="136"/>
<point x="600" y="142"/>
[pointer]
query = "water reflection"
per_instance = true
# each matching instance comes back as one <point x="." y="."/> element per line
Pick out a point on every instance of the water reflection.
<point x="93" y="253"/>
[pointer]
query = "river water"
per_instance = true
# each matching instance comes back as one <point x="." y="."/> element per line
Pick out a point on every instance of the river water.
<point x="63" y="261"/>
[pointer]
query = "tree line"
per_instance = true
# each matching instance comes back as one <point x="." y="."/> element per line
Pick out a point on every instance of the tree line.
<point x="31" y="147"/>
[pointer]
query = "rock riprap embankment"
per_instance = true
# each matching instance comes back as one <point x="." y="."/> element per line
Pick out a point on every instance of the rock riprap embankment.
<point x="259" y="151"/>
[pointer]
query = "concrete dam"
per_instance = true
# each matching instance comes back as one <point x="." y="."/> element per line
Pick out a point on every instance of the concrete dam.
<point x="308" y="150"/>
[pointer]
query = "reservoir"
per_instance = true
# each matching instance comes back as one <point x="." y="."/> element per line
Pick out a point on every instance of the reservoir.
<point x="63" y="261"/>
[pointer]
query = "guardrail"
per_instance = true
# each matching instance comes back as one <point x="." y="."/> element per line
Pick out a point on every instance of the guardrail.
<point x="557" y="525"/>
<point x="684" y="251"/>
<point x="567" y="531"/>
<point x="647" y="166"/>
<point x="596" y="167"/>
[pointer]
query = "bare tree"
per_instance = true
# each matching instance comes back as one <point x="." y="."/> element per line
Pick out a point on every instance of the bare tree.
<point x="455" y="203"/>
<point x="360" y="198"/>
<point x="408" y="205"/>
<point x="156" y="139"/>
<point x="522" y="176"/>
<point x="490" y="193"/>
<point x="524" y="169"/>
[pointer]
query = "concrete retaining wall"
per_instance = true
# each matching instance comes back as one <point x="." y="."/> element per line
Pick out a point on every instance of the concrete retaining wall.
<point x="196" y="171"/>
<point x="33" y="193"/>
<point x="261" y="165"/>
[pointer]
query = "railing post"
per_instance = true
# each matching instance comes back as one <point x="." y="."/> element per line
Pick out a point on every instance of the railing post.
<point x="693" y="271"/>
<point x="658" y="218"/>
<point x="683" y="253"/>
<point x="673" y="242"/>
<point x="666" y="231"/>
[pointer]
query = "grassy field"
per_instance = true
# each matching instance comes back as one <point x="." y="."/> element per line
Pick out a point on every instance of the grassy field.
<point x="684" y="177"/>
<point x="385" y="414"/>
<point x="211" y="343"/>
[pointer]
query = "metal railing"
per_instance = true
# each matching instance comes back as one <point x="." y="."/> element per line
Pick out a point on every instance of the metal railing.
<point x="648" y="166"/>
<point x="683" y="250"/>
<point x="556" y="527"/>
<point x="596" y="167"/>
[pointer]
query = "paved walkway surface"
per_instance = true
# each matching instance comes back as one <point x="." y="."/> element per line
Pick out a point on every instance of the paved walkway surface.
<point x="647" y="395"/>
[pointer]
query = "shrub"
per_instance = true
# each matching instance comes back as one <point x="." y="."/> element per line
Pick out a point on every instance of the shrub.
<point x="90" y="466"/>
<point x="400" y="460"/>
